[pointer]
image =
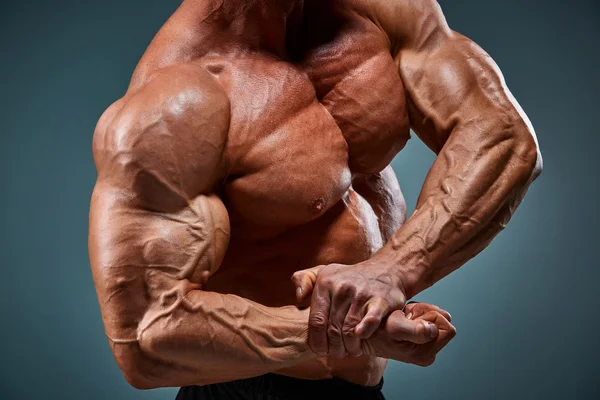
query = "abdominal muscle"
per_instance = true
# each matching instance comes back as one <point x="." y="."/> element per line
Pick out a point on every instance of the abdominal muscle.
<point x="348" y="233"/>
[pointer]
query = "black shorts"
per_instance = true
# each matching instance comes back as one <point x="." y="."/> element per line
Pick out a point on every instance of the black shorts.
<point x="279" y="387"/>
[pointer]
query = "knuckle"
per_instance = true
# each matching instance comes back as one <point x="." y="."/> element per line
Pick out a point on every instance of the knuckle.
<point x="421" y="330"/>
<point x="317" y="322"/>
<point x="381" y="305"/>
<point x="348" y="330"/>
<point x="352" y="320"/>
<point x="345" y="288"/>
<point x="333" y="332"/>
<point x="325" y="281"/>
<point x="361" y="296"/>
<point x="373" y="319"/>
<point x="452" y="332"/>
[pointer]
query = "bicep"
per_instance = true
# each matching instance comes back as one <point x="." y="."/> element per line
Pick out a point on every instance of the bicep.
<point x="453" y="85"/>
<point x="460" y="106"/>
<point x="157" y="230"/>
<point x="144" y="262"/>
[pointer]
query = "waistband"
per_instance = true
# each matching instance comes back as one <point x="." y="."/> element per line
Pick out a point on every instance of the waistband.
<point x="288" y="387"/>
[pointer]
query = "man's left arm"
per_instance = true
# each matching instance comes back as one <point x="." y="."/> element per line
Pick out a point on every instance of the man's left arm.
<point x="488" y="155"/>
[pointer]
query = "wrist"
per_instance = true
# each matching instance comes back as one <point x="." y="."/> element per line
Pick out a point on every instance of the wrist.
<point x="404" y="271"/>
<point x="288" y="327"/>
<point x="301" y="316"/>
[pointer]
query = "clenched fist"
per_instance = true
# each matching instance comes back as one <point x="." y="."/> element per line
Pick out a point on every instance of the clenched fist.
<point x="357" y="309"/>
<point x="415" y="335"/>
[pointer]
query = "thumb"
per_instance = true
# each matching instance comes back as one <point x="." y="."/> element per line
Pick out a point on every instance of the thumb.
<point x="416" y="331"/>
<point x="305" y="281"/>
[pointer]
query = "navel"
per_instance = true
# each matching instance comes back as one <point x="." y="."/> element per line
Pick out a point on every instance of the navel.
<point x="215" y="69"/>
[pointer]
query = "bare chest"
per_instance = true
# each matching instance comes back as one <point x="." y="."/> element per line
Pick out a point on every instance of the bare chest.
<point x="301" y="130"/>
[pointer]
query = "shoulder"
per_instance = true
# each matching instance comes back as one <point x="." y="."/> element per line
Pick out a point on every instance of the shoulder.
<point x="183" y="98"/>
<point x="410" y="23"/>
<point x="171" y="132"/>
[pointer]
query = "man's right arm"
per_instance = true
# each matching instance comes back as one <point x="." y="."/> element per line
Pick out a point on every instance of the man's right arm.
<point x="157" y="234"/>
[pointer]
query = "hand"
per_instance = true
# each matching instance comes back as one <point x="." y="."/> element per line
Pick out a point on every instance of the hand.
<point x="414" y="336"/>
<point x="348" y="304"/>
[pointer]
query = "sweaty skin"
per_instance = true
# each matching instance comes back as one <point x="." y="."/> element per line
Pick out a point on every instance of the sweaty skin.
<point x="254" y="144"/>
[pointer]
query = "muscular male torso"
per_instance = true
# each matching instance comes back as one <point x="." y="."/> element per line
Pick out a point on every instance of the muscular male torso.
<point x="303" y="169"/>
<point x="306" y="176"/>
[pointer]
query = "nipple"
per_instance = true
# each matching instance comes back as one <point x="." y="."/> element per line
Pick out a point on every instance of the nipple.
<point x="204" y="277"/>
<point x="318" y="205"/>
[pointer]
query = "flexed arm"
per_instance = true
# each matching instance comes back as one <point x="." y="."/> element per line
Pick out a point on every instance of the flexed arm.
<point x="157" y="234"/>
<point x="488" y="154"/>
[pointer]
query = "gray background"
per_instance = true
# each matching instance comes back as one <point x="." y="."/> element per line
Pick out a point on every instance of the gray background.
<point x="526" y="309"/>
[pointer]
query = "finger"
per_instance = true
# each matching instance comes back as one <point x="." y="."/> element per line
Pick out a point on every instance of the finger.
<point x="342" y="299"/>
<point x="376" y="310"/>
<point x="427" y="353"/>
<point x="411" y="310"/>
<point x="445" y="313"/>
<point x="415" y="310"/>
<point x="319" y="320"/>
<point x="444" y="326"/>
<point x="400" y="328"/>
<point x="410" y="303"/>
<point x="351" y="341"/>
<point x="304" y="281"/>
<point x="444" y="338"/>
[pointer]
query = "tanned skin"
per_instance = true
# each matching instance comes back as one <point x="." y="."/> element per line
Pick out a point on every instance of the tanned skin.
<point x="253" y="145"/>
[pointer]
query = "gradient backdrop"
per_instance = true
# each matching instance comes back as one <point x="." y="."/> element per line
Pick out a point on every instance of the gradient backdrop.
<point x="526" y="309"/>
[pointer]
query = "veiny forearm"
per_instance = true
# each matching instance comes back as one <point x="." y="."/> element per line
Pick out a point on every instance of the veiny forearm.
<point x="460" y="106"/>
<point x="470" y="194"/>
<point x="158" y="233"/>
<point x="150" y="269"/>
<point x="205" y="337"/>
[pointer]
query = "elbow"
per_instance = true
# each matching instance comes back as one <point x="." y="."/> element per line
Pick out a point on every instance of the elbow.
<point x="156" y="361"/>
<point x="539" y="166"/>
<point x="138" y="381"/>
<point x="139" y="371"/>
<point x="526" y="150"/>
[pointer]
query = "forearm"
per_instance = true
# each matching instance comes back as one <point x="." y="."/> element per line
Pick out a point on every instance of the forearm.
<point x="470" y="193"/>
<point x="208" y="337"/>
<point x="150" y="270"/>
